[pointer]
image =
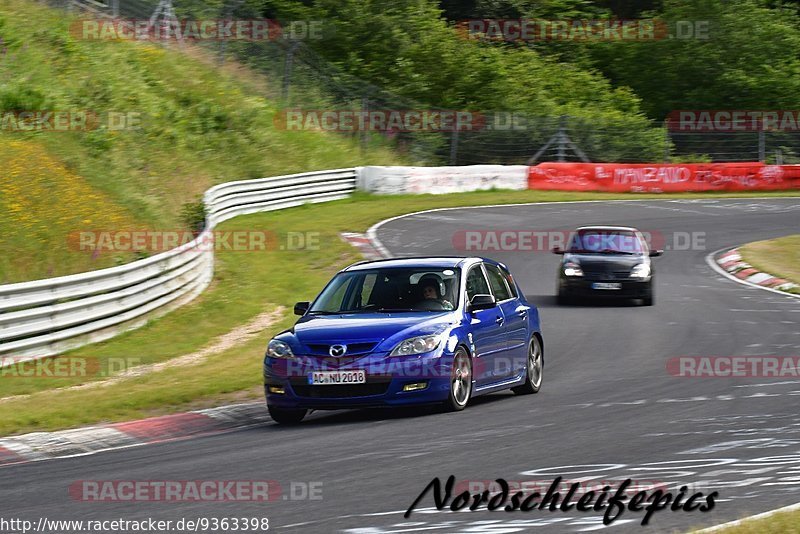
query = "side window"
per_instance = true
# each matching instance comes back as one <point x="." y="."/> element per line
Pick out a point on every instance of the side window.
<point x="510" y="282"/>
<point x="476" y="283"/>
<point x="498" y="283"/>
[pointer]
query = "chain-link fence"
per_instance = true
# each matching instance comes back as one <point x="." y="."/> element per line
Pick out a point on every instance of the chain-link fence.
<point x="298" y="78"/>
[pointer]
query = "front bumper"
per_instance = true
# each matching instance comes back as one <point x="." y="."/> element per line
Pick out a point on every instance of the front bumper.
<point x="385" y="379"/>
<point x="628" y="288"/>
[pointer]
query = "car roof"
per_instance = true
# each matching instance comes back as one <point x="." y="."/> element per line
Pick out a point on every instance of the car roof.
<point x="604" y="227"/>
<point x="420" y="261"/>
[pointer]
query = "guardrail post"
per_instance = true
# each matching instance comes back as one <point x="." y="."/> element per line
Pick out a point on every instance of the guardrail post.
<point x="288" y="66"/>
<point x="454" y="147"/>
<point x="365" y="131"/>
<point x="667" y="147"/>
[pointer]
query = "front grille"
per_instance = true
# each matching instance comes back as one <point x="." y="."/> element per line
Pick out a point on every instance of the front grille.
<point x="607" y="275"/>
<point x="338" y="392"/>
<point x="322" y="349"/>
<point x="321" y="363"/>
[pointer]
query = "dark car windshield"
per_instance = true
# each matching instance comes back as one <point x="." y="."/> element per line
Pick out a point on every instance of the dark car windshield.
<point x="605" y="242"/>
<point x="418" y="289"/>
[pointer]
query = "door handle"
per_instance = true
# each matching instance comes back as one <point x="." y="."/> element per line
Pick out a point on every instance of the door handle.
<point x="523" y="313"/>
<point x="499" y="320"/>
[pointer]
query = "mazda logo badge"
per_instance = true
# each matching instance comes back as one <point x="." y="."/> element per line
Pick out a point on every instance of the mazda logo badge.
<point x="337" y="350"/>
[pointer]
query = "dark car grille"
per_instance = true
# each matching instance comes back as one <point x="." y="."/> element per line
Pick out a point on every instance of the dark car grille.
<point x="320" y="363"/>
<point x="353" y="349"/>
<point x="606" y="275"/>
<point x="338" y="392"/>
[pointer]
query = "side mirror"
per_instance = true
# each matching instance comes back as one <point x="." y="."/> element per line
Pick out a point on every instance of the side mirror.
<point x="655" y="253"/>
<point x="481" y="302"/>
<point x="557" y="250"/>
<point x="301" y="308"/>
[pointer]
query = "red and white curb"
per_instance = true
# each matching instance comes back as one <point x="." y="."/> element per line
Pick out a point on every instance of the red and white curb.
<point x="731" y="262"/>
<point x="364" y="245"/>
<point x="40" y="446"/>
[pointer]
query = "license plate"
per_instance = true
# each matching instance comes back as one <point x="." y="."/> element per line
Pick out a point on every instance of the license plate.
<point x="606" y="285"/>
<point x="331" y="378"/>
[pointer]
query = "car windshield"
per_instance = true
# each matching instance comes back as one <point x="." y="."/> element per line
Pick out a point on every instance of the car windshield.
<point x="605" y="242"/>
<point x="417" y="289"/>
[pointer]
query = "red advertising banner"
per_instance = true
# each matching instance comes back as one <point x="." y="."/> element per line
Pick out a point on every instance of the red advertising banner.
<point x="663" y="178"/>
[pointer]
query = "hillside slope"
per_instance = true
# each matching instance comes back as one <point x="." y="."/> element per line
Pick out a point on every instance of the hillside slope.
<point x="197" y="126"/>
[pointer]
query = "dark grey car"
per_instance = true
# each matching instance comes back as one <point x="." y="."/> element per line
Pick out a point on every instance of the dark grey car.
<point x="606" y="261"/>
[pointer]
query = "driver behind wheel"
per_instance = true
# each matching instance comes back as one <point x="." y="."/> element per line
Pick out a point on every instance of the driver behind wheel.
<point x="431" y="289"/>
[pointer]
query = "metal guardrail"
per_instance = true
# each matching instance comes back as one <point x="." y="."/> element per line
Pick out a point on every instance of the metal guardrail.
<point x="46" y="317"/>
<point x="108" y="9"/>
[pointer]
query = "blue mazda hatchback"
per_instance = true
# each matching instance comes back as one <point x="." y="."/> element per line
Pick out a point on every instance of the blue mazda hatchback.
<point x="406" y="331"/>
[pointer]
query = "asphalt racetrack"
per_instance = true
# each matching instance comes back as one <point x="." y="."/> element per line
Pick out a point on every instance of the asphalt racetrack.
<point x="608" y="409"/>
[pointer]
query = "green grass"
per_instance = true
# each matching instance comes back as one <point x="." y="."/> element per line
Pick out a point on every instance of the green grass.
<point x="779" y="257"/>
<point x="780" y="523"/>
<point x="200" y="125"/>
<point x="245" y="284"/>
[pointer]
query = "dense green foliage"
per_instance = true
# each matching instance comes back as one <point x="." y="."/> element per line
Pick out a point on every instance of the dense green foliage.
<point x="749" y="59"/>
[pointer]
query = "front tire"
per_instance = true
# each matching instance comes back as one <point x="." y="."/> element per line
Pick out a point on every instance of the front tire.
<point x="286" y="416"/>
<point x="535" y="366"/>
<point x="563" y="298"/>
<point x="460" y="381"/>
<point x="650" y="297"/>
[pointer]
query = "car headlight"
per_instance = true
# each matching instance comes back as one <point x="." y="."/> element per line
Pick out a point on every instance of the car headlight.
<point x="417" y="345"/>
<point x="572" y="269"/>
<point x="279" y="349"/>
<point x="640" y="271"/>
